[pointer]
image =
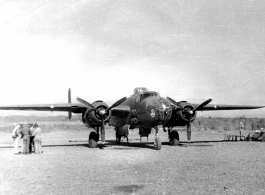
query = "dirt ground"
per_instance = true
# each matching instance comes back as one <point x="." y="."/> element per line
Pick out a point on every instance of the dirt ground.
<point x="67" y="166"/>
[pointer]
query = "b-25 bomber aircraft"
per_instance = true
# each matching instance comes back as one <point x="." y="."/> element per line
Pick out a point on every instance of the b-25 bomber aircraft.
<point x="144" y="110"/>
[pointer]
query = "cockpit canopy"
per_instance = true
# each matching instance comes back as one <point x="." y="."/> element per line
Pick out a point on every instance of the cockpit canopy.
<point x="144" y="95"/>
<point x="149" y="93"/>
<point x="139" y="90"/>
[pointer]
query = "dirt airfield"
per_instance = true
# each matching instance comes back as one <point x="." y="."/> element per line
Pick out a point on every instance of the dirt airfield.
<point x="67" y="166"/>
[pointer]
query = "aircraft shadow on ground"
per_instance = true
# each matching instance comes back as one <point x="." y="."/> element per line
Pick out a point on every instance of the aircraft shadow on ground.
<point x="131" y="145"/>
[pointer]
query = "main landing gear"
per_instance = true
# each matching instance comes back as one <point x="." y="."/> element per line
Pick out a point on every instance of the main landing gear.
<point x="93" y="138"/>
<point x="173" y="136"/>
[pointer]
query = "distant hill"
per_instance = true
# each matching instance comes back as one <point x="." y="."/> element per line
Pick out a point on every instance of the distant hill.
<point x="228" y="124"/>
<point x="200" y="124"/>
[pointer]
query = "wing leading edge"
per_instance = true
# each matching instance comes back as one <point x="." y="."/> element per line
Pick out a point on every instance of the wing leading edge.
<point x="75" y="108"/>
<point x="212" y="107"/>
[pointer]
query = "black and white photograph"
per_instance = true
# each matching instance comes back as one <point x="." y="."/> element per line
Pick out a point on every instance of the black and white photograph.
<point x="132" y="97"/>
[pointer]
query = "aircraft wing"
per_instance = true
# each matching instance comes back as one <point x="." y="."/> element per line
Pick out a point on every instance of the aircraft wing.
<point x="211" y="107"/>
<point x="120" y="111"/>
<point x="70" y="107"/>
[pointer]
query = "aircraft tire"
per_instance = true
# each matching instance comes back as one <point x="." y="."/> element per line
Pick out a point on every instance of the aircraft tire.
<point x="174" y="138"/>
<point x="174" y="142"/>
<point x="157" y="143"/>
<point x="92" y="142"/>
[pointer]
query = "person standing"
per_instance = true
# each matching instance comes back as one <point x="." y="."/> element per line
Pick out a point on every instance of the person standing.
<point x="31" y="142"/>
<point x="26" y="138"/>
<point x="15" y="136"/>
<point x="37" y="139"/>
<point x="241" y="128"/>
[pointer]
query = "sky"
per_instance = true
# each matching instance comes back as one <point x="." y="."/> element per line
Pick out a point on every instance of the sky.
<point x="103" y="49"/>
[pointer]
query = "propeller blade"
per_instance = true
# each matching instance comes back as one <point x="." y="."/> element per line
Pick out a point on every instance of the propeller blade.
<point x="203" y="104"/>
<point x="69" y="115"/>
<point x="189" y="130"/>
<point x="85" y="103"/>
<point x="175" y="103"/>
<point x="102" y="131"/>
<point x="69" y="95"/>
<point x="116" y="103"/>
<point x="69" y="101"/>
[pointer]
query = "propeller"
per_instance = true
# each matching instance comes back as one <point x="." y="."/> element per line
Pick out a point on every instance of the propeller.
<point x="102" y="131"/>
<point x="188" y="112"/>
<point x="116" y="103"/>
<point x="85" y="103"/>
<point x="69" y="102"/>
<point x="175" y="103"/>
<point x="102" y="113"/>
<point x="203" y="104"/>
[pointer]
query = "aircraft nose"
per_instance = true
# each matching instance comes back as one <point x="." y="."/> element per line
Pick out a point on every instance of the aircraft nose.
<point x="164" y="111"/>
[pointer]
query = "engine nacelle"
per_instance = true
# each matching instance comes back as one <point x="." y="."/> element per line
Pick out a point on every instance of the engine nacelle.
<point x="92" y="118"/>
<point x="180" y="117"/>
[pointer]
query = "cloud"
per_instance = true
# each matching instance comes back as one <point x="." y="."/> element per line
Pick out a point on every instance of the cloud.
<point x="104" y="49"/>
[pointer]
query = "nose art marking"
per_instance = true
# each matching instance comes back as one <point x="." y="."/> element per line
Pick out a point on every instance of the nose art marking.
<point x="152" y="113"/>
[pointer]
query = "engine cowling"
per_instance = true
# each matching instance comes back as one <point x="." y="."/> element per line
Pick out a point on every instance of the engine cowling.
<point x="180" y="116"/>
<point x="92" y="117"/>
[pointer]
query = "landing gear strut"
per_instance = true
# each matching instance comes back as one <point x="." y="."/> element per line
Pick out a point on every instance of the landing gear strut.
<point x="157" y="140"/>
<point x="118" y="137"/>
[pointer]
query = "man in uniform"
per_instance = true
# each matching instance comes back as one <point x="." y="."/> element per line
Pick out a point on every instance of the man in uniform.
<point x="15" y="136"/>
<point x="37" y="139"/>
<point x="26" y="138"/>
<point x="241" y="128"/>
<point x="31" y="142"/>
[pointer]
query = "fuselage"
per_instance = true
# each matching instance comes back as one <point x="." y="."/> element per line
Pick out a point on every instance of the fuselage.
<point x="148" y="109"/>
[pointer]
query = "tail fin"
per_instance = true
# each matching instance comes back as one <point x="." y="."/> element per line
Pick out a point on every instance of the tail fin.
<point x="69" y="101"/>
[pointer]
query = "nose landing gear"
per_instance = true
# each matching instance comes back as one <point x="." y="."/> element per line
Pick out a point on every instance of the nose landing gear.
<point x="157" y="140"/>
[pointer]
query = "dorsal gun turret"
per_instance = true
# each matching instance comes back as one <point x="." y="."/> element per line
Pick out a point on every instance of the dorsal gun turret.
<point x="139" y="90"/>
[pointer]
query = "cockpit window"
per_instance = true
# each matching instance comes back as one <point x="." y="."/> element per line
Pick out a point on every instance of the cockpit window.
<point x="145" y="95"/>
<point x="138" y="98"/>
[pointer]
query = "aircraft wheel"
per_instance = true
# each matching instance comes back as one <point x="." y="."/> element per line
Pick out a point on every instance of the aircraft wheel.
<point x="157" y="143"/>
<point x="174" y="142"/>
<point x="174" y="138"/>
<point x="92" y="141"/>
